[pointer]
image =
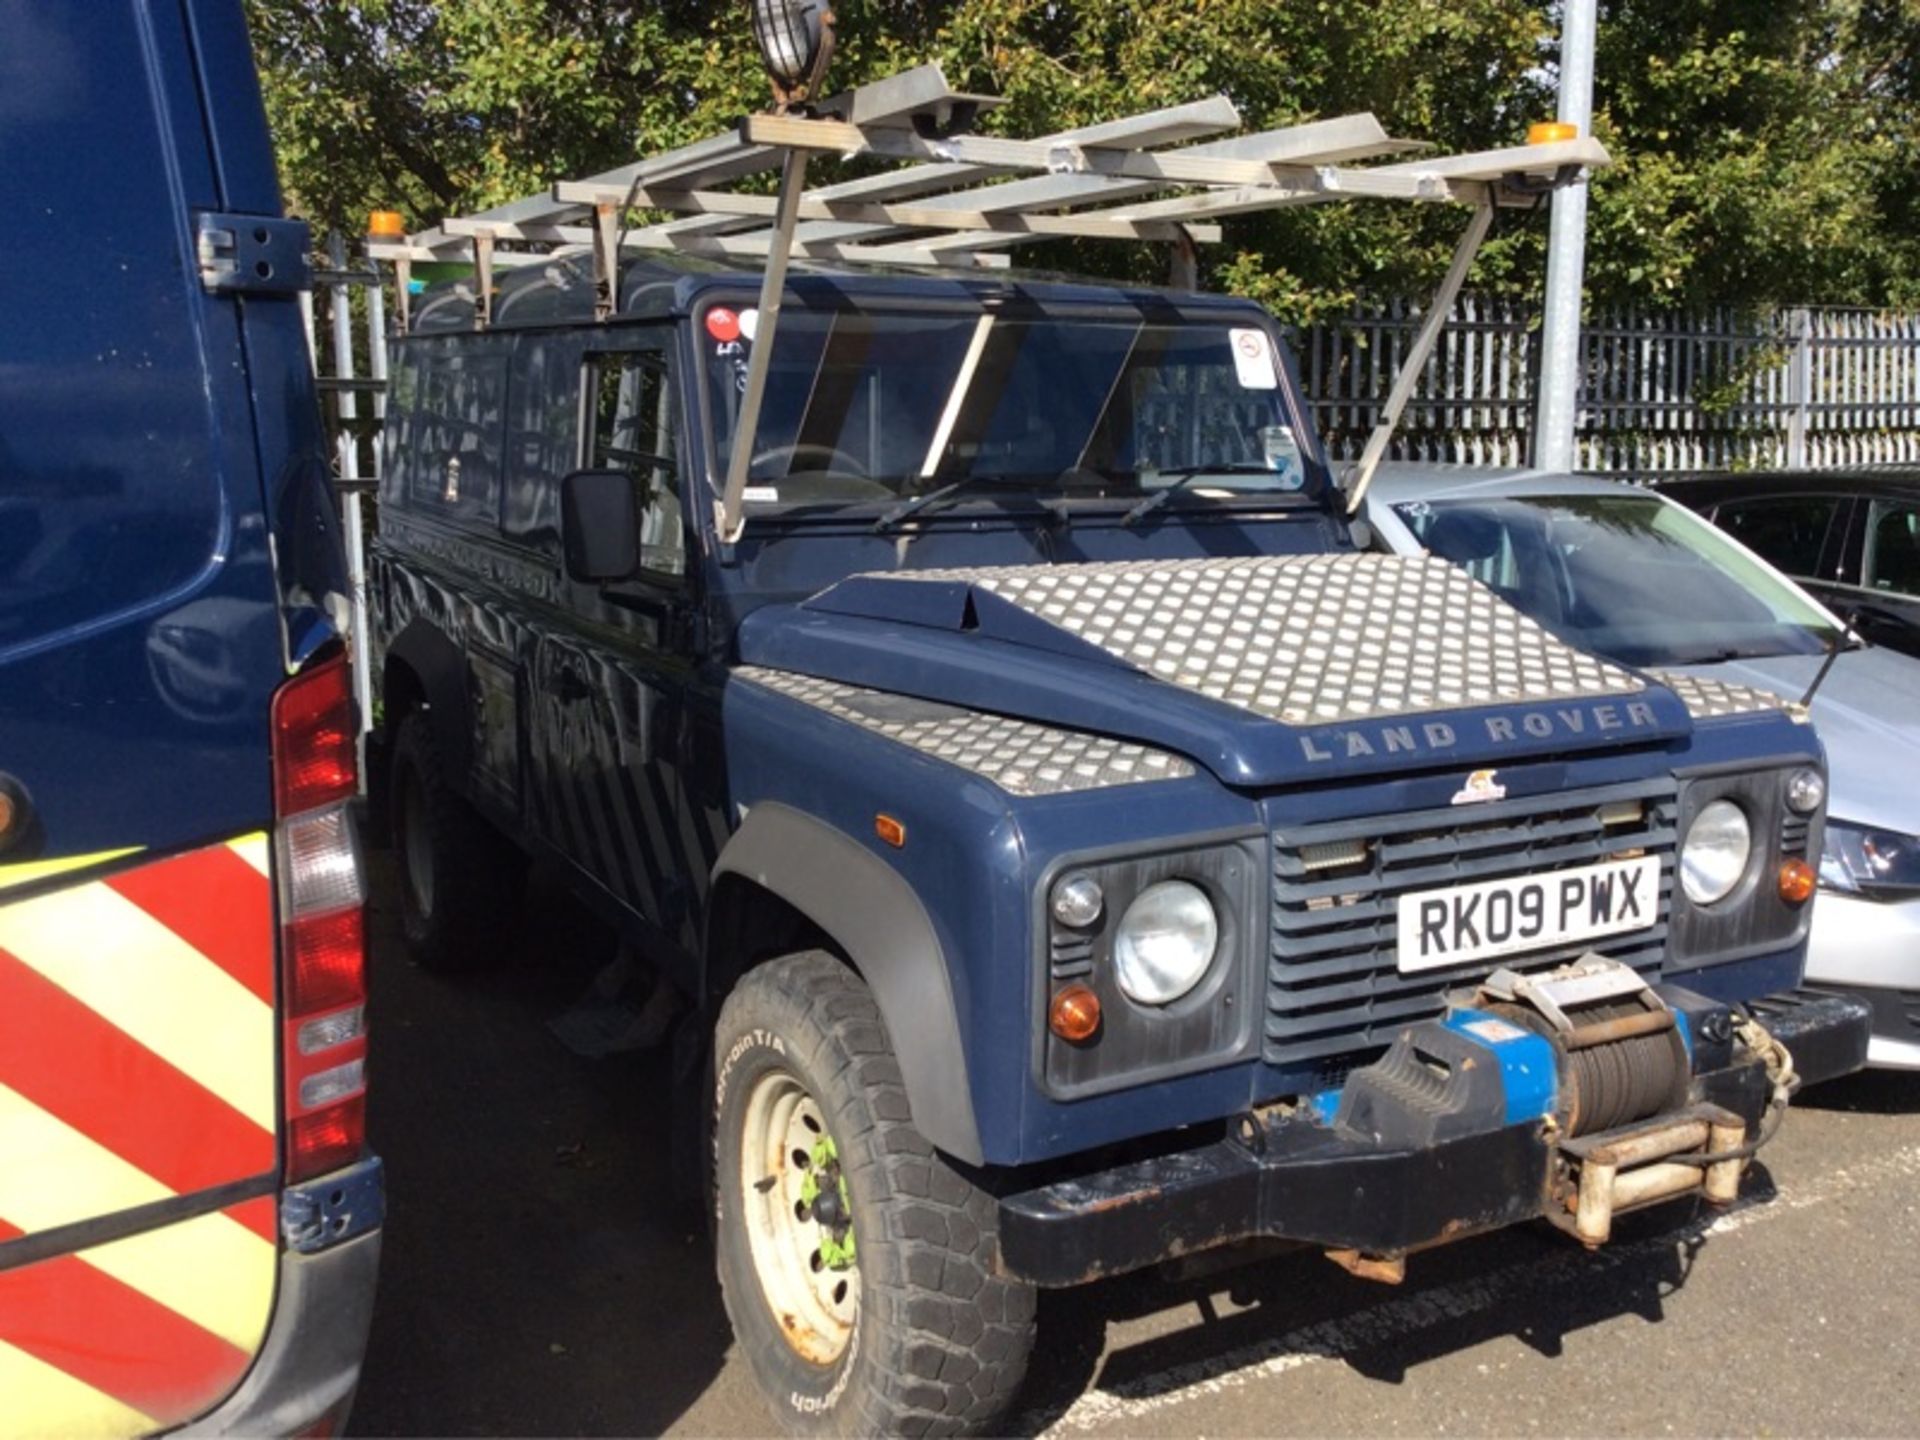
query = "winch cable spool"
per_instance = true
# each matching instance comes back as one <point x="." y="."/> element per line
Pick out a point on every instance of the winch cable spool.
<point x="1615" y="1082"/>
<point x="1609" y="1082"/>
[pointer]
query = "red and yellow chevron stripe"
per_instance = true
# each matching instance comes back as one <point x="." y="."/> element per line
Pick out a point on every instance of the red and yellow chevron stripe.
<point x="138" y="1055"/>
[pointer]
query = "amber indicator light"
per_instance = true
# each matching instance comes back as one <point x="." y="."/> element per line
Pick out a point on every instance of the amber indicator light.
<point x="890" y="830"/>
<point x="9" y="816"/>
<point x="386" y="224"/>
<point x="1797" y="882"/>
<point x="1548" y="132"/>
<point x="1075" y="1014"/>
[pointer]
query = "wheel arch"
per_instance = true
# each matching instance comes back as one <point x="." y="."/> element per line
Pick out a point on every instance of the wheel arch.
<point x="826" y="887"/>
<point x="423" y="668"/>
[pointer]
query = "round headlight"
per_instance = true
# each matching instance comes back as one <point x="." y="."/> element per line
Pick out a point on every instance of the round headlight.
<point x="1806" y="791"/>
<point x="1165" y="942"/>
<point x="1714" y="857"/>
<point x="1078" y="902"/>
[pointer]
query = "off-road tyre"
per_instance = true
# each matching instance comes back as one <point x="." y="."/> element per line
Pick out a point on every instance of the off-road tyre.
<point x="939" y="1340"/>
<point x="474" y="877"/>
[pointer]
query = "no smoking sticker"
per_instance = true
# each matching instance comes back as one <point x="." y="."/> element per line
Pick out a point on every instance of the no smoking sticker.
<point x="1253" y="359"/>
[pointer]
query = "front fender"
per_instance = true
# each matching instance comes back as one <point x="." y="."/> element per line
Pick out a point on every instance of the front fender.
<point x="874" y="914"/>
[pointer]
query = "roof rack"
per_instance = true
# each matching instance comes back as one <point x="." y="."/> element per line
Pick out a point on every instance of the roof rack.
<point x="954" y="198"/>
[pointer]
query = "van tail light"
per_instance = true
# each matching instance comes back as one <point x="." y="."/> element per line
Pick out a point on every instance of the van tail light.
<point x="314" y="757"/>
<point x="323" y="941"/>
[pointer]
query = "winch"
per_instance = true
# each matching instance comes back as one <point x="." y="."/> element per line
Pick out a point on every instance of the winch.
<point x="1621" y="1050"/>
<point x="1627" y="1135"/>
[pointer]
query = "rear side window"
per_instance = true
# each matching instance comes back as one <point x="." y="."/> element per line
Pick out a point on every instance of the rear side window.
<point x="1893" y="548"/>
<point x="1789" y="530"/>
<point x="459" y="412"/>
<point x="543" y="440"/>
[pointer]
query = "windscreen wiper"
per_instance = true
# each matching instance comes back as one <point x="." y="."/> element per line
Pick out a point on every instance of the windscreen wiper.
<point x="1182" y="478"/>
<point x="907" y="509"/>
<point x="1848" y="637"/>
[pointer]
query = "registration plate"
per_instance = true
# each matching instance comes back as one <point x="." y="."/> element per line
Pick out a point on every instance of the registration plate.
<point x="1454" y="926"/>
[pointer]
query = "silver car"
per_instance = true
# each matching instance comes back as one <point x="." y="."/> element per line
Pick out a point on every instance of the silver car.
<point x="1626" y="574"/>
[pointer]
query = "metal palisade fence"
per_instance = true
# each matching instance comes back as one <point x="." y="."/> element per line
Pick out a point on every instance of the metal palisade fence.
<point x="1660" y="390"/>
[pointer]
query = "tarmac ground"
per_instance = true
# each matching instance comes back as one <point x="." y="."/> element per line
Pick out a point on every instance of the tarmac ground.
<point x="539" y="1277"/>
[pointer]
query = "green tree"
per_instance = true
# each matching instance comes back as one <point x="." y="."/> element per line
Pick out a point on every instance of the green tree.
<point x="1761" y="146"/>
<point x="1768" y="149"/>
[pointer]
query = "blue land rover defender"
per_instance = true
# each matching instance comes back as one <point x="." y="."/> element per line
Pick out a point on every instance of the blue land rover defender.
<point x="1077" y="851"/>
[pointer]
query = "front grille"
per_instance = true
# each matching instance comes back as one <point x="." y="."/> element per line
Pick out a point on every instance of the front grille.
<point x="1335" y="996"/>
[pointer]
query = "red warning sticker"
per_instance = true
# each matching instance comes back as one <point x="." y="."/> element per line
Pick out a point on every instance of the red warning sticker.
<point x="723" y="325"/>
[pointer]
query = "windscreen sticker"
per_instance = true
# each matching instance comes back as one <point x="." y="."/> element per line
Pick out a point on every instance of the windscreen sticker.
<point x="723" y="325"/>
<point x="758" y="493"/>
<point x="1253" y="358"/>
<point x="749" y="325"/>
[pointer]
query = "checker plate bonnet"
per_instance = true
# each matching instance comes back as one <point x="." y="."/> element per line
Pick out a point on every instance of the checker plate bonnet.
<point x="1020" y="757"/>
<point x="1304" y="640"/>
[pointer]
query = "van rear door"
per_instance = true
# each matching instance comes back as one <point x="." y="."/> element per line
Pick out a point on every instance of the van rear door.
<point x="158" y="443"/>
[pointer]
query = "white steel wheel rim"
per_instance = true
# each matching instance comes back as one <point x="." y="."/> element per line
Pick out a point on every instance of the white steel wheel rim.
<point x="814" y="1305"/>
<point x="417" y="846"/>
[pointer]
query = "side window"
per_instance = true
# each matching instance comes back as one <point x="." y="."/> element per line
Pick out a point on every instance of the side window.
<point x="1789" y="530"/>
<point x="543" y="436"/>
<point x="1893" y="548"/>
<point x="403" y="404"/>
<point x="631" y="403"/>
<point x="457" y="424"/>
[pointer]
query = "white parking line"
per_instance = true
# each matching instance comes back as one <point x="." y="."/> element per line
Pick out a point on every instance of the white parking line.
<point x="1409" y="1315"/>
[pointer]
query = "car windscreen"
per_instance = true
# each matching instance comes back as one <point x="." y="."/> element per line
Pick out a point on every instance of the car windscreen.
<point x="865" y="406"/>
<point x="1627" y="576"/>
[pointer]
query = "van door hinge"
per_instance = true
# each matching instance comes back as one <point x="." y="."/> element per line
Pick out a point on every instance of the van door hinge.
<point x="253" y="254"/>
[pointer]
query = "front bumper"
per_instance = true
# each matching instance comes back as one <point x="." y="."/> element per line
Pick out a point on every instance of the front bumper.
<point x="1872" y="949"/>
<point x="1290" y="1176"/>
<point x="303" y="1380"/>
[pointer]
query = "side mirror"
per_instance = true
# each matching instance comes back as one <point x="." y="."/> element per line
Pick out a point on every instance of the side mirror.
<point x="600" y="526"/>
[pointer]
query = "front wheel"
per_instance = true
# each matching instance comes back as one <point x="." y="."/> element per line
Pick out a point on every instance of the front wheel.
<point x="857" y="1264"/>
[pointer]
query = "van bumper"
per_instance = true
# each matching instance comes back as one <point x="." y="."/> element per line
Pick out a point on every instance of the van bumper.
<point x="1289" y="1175"/>
<point x="303" y="1380"/>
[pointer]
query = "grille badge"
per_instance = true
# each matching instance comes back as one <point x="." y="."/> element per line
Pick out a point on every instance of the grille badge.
<point x="1481" y="789"/>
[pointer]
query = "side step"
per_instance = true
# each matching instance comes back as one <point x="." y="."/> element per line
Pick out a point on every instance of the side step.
<point x="1627" y="1169"/>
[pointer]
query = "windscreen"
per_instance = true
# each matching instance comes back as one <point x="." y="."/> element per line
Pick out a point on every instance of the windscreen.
<point x="1627" y="576"/>
<point x="865" y="406"/>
